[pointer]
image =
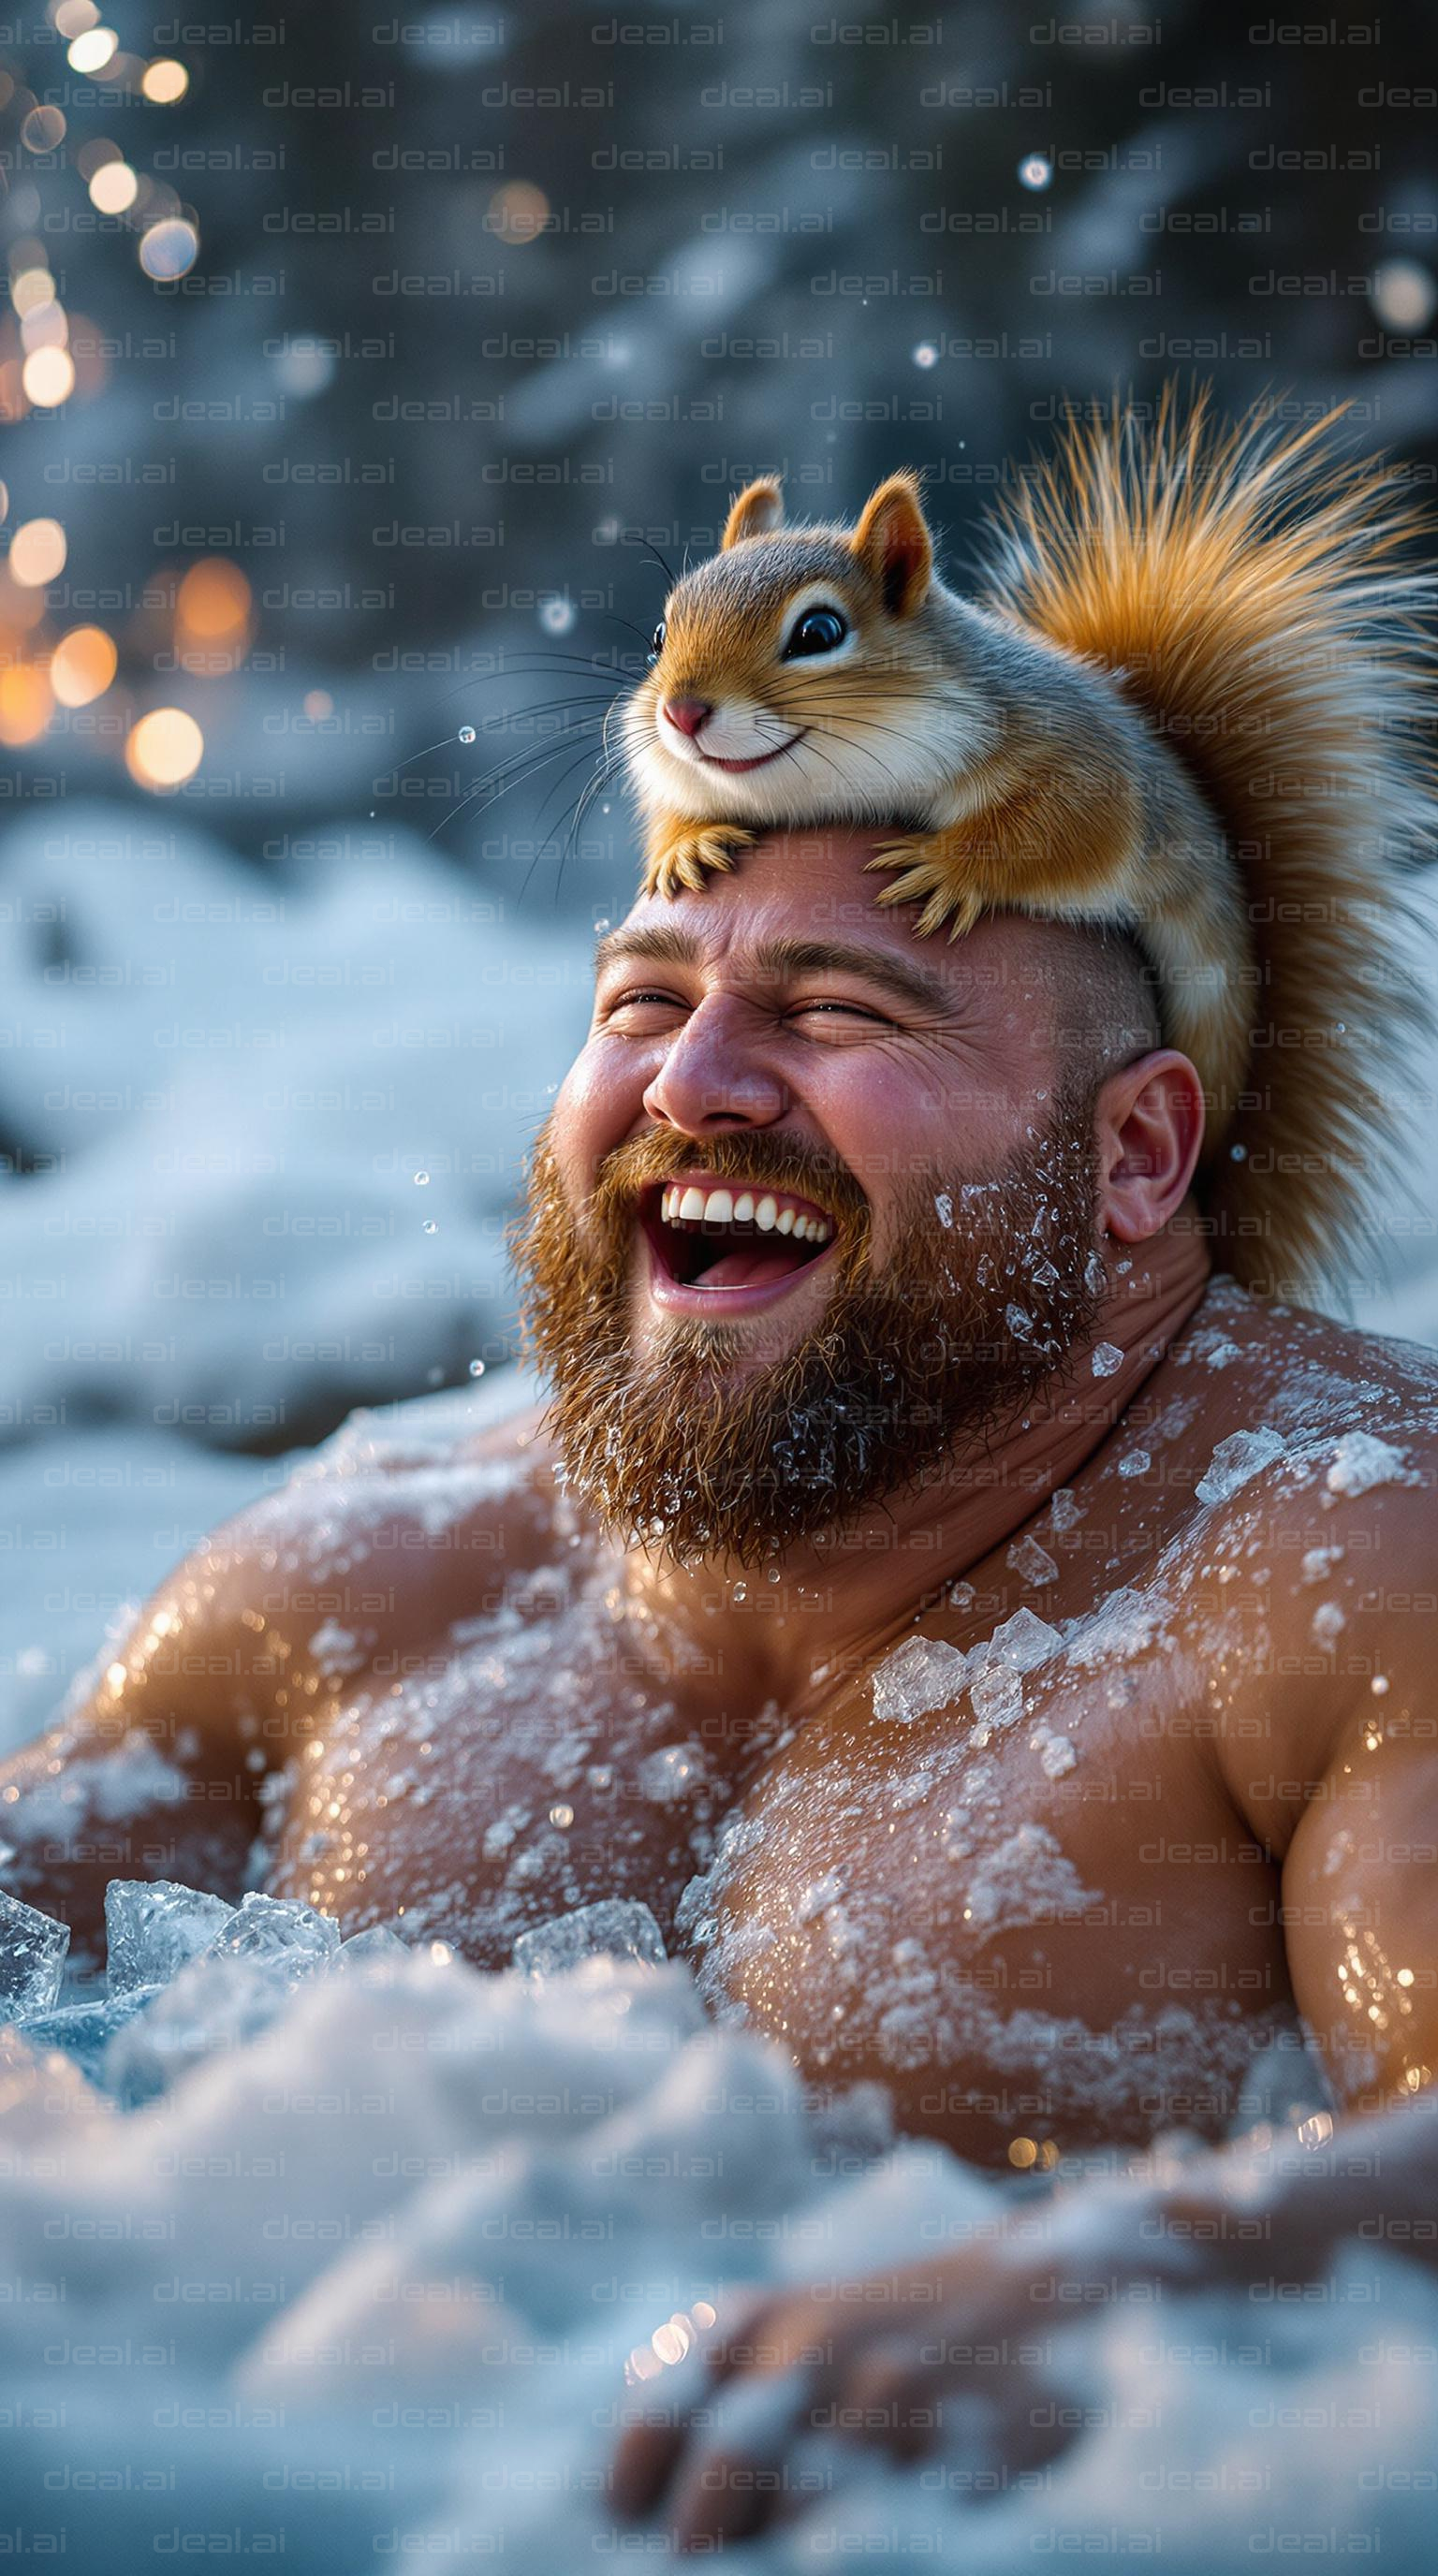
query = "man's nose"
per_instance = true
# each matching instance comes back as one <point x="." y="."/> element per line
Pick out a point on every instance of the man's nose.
<point x="712" y="1078"/>
<point x="688" y="713"/>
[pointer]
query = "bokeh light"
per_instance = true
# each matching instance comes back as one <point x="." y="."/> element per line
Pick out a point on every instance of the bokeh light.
<point x="1403" y="294"/>
<point x="164" y="749"/>
<point x="74" y="16"/>
<point x="114" y="187"/>
<point x="212" y="616"/>
<point x="43" y="130"/>
<point x="82" y="666"/>
<point x="31" y="288"/>
<point x="91" y="51"/>
<point x="165" y="81"/>
<point x="48" y="377"/>
<point x="518" y="213"/>
<point x="25" y="703"/>
<point x="169" y="248"/>
<point x="37" y="553"/>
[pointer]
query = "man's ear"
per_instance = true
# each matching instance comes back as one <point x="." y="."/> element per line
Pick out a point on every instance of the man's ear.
<point x="892" y="541"/>
<point x="1148" y="1131"/>
<point x="758" y="511"/>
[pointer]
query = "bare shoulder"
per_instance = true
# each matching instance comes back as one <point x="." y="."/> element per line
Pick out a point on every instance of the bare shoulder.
<point x="1313" y="1555"/>
<point x="1295" y="1402"/>
<point x="387" y="1526"/>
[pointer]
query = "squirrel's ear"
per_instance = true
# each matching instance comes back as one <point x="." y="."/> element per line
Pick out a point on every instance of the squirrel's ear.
<point x="757" y="513"/>
<point x="893" y="543"/>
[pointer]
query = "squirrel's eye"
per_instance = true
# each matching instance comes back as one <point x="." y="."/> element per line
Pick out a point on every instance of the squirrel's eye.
<point x="656" y="642"/>
<point x="819" y="630"/>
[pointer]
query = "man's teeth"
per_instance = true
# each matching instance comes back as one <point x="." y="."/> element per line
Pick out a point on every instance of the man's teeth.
<point x="683" y="1203"/>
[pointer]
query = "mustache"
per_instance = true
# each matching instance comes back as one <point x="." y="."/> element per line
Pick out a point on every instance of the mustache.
<point x="776" y="1162"/>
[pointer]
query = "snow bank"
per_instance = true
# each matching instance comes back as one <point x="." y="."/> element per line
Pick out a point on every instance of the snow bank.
<point x="226" y="1086"/>
<point x="366" y="2281"/>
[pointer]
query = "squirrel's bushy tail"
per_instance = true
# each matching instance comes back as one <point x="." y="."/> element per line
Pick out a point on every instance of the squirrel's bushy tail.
<point x="1252" y="593"/>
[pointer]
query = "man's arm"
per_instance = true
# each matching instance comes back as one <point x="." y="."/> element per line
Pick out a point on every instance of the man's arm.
<point x="157" y="1775"/>
<point x="1360" y="1903"/>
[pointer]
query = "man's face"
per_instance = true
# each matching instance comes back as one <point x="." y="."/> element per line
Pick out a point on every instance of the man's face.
<point x="725" y="1385"/>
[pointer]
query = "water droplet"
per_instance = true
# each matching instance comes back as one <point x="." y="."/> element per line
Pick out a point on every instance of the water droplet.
<point x="1035" y="171"/>
<point x="421" y="1180"/>
<point x="476" y="1368"/>
<point x="466" y="733"/>
<point x="926" y="355"/>
<point x="557" y="616"/>
<point x="429" y="1226"/>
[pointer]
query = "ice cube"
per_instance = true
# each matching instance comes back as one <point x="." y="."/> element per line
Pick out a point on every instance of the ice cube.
<point x="1032" y="1563"/>
<point x="618" y="1928"/>
<point x="84" y="2031"/>
<point x="377" y="1948"/>
<point x="923" y="1673"/>
<point x="1024" y="1641"/>
<point x="1237" y="1458"/>
<point x="32" y="1958"/>
<point x="280" y="1931"/>
<point x="997" y="1696"/>
<point x="152" y="1926"/>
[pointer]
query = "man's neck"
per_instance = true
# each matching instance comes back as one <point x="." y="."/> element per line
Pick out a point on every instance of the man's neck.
<point x="839" y="1604"/>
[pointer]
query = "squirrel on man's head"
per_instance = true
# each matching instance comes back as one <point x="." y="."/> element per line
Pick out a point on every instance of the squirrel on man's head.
<point x="1190" y="702"/>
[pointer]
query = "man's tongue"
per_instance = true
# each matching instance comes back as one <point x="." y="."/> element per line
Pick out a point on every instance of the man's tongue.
<point x="739" y="1265"/>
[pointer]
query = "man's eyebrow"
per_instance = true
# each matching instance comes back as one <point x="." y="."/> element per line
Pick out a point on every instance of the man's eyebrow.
<point x="785" y="957"/>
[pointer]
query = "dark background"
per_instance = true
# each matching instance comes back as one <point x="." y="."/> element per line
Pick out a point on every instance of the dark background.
<point x="413" y="399"/>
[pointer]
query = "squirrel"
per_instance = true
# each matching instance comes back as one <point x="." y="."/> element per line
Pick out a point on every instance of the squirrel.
<point x="1186" y="702"/>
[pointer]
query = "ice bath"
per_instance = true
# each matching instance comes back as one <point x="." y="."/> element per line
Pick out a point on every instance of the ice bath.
<point x="390" y="2251"/>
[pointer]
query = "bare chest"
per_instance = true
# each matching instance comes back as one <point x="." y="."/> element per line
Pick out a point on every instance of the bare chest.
<point x="996" y="1879"/>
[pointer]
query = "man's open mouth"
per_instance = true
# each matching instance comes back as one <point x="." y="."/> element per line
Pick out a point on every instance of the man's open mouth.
<point x="731" y="1234"/>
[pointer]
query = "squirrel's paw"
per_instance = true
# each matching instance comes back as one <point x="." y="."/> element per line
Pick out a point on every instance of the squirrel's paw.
<point x="936" y="875"/>
<point x="692" y="855"/>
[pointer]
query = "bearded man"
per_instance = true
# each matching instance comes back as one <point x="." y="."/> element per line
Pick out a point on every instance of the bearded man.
<point x="989" y="1637"/>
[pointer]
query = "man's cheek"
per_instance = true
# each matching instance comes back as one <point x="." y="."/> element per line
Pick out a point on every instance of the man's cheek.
<point x="597" y="1105"/>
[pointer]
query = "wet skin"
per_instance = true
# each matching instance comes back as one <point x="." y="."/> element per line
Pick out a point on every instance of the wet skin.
<point x="1215" y="1808"/>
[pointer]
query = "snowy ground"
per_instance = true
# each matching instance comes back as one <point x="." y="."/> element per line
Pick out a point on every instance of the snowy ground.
<point x="269" y="2304"/>
<point x="384" y="2281"/>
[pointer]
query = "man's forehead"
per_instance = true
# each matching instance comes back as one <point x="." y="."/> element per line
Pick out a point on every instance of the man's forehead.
<point x="789" y="929"/>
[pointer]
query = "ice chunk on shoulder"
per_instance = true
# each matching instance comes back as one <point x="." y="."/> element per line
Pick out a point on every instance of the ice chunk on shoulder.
<point x="152" y="1926"/>
<point x="1123" y="1623"/>
<point x="998" y="1699"/>
<point x="1024" y="1641"/>
<point x="33" y="1949"/>
<point x="1032" y="1563"/>
<point x="1361" y="1461"/>
<point x="279" y="1932"/>
<point x="619" y="1928"/>
<point x="922" y="1674"/>
<point x="1236" y="1459"/>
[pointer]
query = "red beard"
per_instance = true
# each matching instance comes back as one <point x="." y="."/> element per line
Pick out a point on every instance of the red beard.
<point x="907" y="1368"/>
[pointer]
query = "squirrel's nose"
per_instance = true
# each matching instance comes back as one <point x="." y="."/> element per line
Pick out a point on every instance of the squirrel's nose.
<point x="688" y="713"/>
